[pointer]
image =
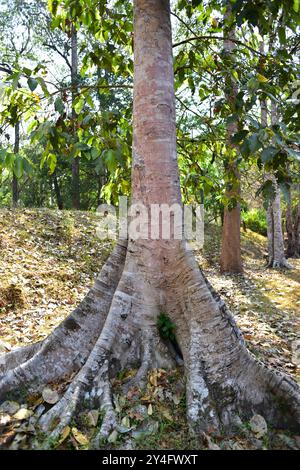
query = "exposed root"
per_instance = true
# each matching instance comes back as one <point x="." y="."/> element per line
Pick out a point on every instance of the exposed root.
<point x="283" y="264"/>
<point x="103" y="393"/>
<point x="225" y="383"/>
<point x="67" y="348"/>
<point x="115" y="329"/>
<point x="154" y="355"/>
<point x="18" y="356"/>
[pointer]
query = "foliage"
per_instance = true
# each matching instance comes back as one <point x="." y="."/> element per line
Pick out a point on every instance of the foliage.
<point x="255" y="220"/>
<point x="166" y="327"/>
<point x="93" y="121"/>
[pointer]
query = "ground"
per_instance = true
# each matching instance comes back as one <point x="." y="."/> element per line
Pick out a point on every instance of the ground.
<point x="48" y="261"/>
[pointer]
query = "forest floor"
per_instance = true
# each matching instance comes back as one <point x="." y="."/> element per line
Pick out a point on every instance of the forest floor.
<point x="48" y="260"/>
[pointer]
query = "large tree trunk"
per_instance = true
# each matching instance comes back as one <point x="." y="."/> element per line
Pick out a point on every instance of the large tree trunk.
<point x="231" y="259"/>
<point x="114" y="327"/>
<point x="74" y="81"/>
<point x="15" y="183"/>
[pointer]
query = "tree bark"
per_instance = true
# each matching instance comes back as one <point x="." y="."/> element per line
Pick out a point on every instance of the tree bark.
<point x="15" y="183"/>
<point x="74" y="82"/>
<point x="297" y="225"/>
<point x="114" y="328"/>
<point x="291" y="249"/>
<point x="276" y="254"/>
<point x="231" y="259"/>
<point x="276" y="250"/>
<point x="58" y="195"/>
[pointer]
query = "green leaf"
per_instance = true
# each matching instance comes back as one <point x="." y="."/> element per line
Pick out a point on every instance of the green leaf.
<point x="296" y="5"/>
<point x="268" y="154"/>
<point x="110" y="160"/>
<point x="267" y="190"/>
<point x="254" y="143"/>
<point x="232" y="118"/>
<point x="239" y="136"/>
<point x="285" y="190"/>
<point x="262" y="78"/>
<point x="18" y="167"/>
<point x="78" y="105"/>
<point x="59" y="105"/>
<point x="43" y="86"/>
<point x="15" y="80"/>
<point x="51" y="162"/>
<point x="32" y="83"/>
<point x="282" y="35"/>
<point x="293" y="153"/>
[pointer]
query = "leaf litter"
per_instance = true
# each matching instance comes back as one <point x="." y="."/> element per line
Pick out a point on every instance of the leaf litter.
<point x="48" y="261"/>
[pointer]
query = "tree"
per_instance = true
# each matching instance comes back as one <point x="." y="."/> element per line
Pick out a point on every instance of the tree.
<point x="74" y="80"/>
<point x="15" y="184"/>
<point x="115" y="325"/>
<point x="292" y="223"/>
<point x="276" y="249"/>
<point x="231" y="259"/>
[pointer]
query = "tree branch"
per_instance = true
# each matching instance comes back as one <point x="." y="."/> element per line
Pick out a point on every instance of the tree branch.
<point x="219" y="38"/>
<point x="54" y="48"/>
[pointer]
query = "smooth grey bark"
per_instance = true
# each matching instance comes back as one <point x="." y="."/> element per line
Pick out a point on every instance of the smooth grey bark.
<point x="114" y="328"/>
<point x="276" y="248"/>
<point x="276" y="251"/>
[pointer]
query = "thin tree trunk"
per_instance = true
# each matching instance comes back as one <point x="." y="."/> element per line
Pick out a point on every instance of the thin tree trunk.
<point x="74" y="81"/>
<point x="291" y="249"/>
<point x="15" y="183"/>
<point x="277" y="257"/>
<point x="297" y="229"/>
<point x="231" y="259"/>
<point x="58" y="195"/>
<point x="114" y="328"/>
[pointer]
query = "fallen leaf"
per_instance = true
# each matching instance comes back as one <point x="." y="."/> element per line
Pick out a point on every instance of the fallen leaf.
<point x="23" y="413"/>
<point x="113" y="437"/>
<point x="64" y="434"/>
<point x="80" y="438"/>
<point x="10" y="407"/>
<point x="126" y="422"/>
<point x="4" y="419"/>
<point x="258" y="425"/>
<point x="92" y="418"/>
<point x="50" y="396"/>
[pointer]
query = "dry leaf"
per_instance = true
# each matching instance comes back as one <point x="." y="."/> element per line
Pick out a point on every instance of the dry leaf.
<point x="23" y="413"/>
<point x="4" y="419"/>
<point x="92" y="418"/>
<point x="50" y="396"/>
<point x="64" y="435"/>
<point x="113" y="437"/>
<point x="80" y="438"/>
<point x="126" y="422"/>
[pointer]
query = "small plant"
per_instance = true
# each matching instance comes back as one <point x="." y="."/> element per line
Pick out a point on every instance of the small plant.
<point x="166" y="327"/>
